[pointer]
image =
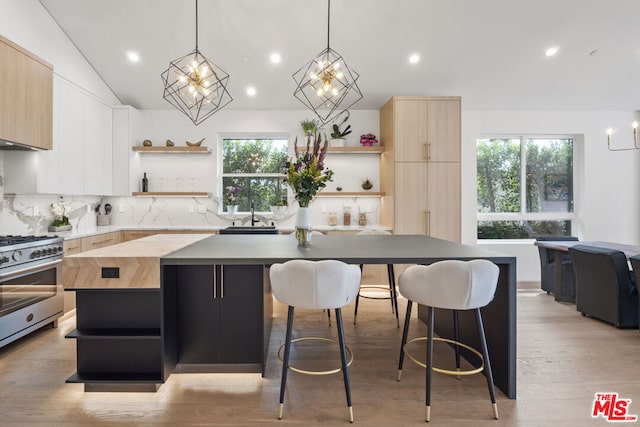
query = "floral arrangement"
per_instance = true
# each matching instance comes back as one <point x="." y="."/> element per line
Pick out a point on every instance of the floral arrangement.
<point x="306" y="174"/>
<point x="231" y="193"/>
<point x="59" y="211"/>
<point x="368" y="139"/>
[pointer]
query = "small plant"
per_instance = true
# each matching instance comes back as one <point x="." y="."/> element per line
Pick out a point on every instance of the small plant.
<point x="340" y="134"/>
<point x="368" y="139"/>
<point x="309" y="127"/>
<point x="59" y="211"/>
<point x="231" y="193"/>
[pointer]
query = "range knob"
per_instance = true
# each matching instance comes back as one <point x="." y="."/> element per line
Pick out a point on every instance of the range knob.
<point x="17" y="255"/>
<point x="49" y="251"/>
<point x="4" y="259"/>
<point x="60" y="249"/>
<point x="34" y="254"/>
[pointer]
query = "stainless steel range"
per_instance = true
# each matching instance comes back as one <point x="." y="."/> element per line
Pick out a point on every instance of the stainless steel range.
<point x="31" y="294"/>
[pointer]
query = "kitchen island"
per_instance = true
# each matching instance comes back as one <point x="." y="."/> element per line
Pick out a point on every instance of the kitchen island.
<point x="235" y="253"/>
<point x="212" y="312"/>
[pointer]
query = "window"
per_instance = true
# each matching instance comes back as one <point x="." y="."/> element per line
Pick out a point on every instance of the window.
<point x="525" y="187"/>
<point x="256" y="168"/>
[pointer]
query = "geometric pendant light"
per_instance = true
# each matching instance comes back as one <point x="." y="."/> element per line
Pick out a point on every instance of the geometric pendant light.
<point x="326" y="84"/>
<point x="195" y="85"/>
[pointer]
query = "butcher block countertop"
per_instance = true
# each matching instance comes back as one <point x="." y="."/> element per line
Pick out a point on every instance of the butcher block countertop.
<point x="130" y="265"/>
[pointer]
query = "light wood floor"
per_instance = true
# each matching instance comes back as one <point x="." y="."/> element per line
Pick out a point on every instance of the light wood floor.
<point x="563" y="359"/>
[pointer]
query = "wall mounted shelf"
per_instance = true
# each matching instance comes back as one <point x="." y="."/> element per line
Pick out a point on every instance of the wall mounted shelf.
<point x="348" y="150"/>
<point x="171" y="194"/>
<point x="356" y="150"/>
<point x="172" y="150"/>
<point x="350" y="194"/>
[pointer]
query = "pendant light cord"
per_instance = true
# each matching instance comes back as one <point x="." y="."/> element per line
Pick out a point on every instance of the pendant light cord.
<point x="328" y="20"/>
<point x="196" y="24"/>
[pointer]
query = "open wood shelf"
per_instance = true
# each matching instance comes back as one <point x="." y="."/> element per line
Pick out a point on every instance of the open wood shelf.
<point x="356" y="150"/>
<point x="348" y="150"/>
<point x="176" y="150"/>
<point x="350" y="194"/>
<point x="171" y="194"/>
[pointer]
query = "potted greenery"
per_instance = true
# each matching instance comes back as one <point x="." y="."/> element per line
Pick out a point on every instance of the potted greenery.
<point x="279" y="201"/>
<point x="337" y="135"/>
<point x="309" y="127"/>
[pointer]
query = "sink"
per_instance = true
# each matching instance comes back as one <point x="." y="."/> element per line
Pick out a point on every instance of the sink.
<point x="247" y="229"/>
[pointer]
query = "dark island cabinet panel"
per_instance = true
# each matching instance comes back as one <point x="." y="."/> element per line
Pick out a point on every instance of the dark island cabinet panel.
<point x="220" y="312"/>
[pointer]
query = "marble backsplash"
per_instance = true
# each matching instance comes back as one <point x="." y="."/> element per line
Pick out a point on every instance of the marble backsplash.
<point x="31" y="214"/>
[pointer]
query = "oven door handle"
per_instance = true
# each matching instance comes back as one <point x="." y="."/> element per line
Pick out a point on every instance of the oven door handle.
<point x="35" y="268"/>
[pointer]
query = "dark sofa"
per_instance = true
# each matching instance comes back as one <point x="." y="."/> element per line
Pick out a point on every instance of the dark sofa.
<point x="605" y="288"/>
<point x="548" y="269"/>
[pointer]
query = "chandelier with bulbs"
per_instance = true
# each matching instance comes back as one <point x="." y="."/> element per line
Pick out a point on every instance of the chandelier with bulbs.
<point x="195" y="85"/>
<point x="326" y="84"/>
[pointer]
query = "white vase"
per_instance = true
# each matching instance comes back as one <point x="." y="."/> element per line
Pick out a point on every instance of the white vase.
<point x="338" y="142"/>
<point x="232" y="209"/>
<point x="303" y="226"/>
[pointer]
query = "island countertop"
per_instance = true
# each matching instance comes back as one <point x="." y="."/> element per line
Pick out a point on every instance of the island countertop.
<point x="129" y="265"/>
<point x="358" y="249"/>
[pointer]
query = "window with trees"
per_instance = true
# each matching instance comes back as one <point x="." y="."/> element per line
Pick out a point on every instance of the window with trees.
<point x="525" y="187"/>
<point x="253" y="170"/>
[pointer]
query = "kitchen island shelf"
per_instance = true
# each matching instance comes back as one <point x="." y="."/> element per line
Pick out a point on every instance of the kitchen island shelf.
<point x="118" y="333"/>
<point x="172" y="150"/>
<point x="109" y="378"/>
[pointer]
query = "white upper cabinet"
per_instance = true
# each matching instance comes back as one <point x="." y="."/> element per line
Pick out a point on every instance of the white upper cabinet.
<point x="126" y="134"/>
<point x="69" y="139"/>
<point x="81" y="160"/>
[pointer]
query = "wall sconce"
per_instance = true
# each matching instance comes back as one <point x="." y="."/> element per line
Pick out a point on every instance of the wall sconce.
<point x="635" y="139"/>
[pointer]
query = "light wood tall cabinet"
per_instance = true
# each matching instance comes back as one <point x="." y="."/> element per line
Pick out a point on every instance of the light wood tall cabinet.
<point x="420" y="168"/>
<point x="26" y="97"/>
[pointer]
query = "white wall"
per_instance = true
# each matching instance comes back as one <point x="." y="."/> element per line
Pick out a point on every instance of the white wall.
<point x="607" y="183"/>
<point x="160" y="125"/>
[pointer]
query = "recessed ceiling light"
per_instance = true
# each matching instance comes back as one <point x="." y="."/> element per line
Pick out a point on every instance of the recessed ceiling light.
<point x="275" y="58"/>
<point x="551" y="51"/>
<point x="251" y="91"/>
<point x="414" y="58"/>
<point x="133" y="56"/>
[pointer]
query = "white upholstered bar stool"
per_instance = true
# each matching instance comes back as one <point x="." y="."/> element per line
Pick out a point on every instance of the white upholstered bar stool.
<point x="452" y="285"/>
<point x="306" y="284"/>
<point x="390" y="290"/>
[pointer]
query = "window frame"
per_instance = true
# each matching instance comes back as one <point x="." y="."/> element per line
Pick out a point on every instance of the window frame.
<point x="246" y="136"/>
<point x="523" y="215"/>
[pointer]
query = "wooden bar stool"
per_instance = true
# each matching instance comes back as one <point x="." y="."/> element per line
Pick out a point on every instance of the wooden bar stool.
<point x="390" y="288"/>
<point x="315" y="285"/>
<point x="452" y="285"/>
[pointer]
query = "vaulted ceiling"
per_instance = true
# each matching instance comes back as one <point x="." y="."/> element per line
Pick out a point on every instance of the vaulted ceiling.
<point x="490" y="52"/>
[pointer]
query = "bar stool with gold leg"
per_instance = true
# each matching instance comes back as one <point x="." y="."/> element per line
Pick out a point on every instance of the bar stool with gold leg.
<point x="451" y="285"/>
<point x="389" y="291"/>
<point x="315" y="285"/>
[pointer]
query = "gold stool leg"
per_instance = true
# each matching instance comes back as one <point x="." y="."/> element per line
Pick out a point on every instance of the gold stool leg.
<point x="427" y="414"/>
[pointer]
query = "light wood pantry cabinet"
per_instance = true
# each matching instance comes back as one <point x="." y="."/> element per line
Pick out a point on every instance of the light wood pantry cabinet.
<point x="425" y="128"/>
<point x="420" y="168"/>
<point x="26" y="97"/>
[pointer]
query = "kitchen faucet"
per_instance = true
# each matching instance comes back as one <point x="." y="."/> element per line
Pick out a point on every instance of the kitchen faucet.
<point x="253" y="217"/>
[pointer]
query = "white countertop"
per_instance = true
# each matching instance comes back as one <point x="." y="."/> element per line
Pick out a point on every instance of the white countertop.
<point x="73" y="234"/>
